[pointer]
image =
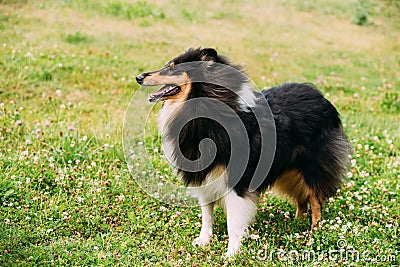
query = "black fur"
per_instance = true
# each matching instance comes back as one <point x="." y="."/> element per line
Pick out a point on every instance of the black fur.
<point x="310" y="137"/>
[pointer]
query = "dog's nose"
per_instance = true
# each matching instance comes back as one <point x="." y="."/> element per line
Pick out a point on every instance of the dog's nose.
<point x="140" y="78"/>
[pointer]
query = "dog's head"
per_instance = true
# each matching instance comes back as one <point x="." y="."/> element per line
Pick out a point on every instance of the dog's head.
<point x="178" y="77"/>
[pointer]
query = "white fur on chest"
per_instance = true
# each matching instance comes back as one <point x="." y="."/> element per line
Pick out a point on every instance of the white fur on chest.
<point x="167" y="113"/>
<point x="214" y="188"/>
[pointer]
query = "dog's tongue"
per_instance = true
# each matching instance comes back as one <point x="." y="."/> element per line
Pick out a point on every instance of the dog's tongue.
<point x="165" y="90"/>
<point x="156" y="96"/>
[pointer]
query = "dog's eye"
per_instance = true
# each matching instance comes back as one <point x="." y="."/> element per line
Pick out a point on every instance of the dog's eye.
<point x="171" y="64"/>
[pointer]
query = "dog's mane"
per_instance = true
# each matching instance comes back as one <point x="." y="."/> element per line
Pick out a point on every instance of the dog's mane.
<point x="226" y="86"/>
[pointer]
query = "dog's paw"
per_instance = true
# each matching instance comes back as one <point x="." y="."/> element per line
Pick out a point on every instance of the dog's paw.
<point x="201" y="241"/>
<point x="232" y="251"/>
<point x="229" y="254"/>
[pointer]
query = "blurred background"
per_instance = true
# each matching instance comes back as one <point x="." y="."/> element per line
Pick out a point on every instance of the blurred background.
<point x="67" y="71"/>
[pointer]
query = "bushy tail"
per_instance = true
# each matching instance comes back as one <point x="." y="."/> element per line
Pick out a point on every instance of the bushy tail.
<point x="333" y="162"/>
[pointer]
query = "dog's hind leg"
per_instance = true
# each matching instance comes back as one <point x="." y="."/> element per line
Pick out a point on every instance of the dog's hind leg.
<point x="301" y="208"/>
<point x="240" y="212"/>
<point x="207" y="218"/>
<point x="316" y="203"/>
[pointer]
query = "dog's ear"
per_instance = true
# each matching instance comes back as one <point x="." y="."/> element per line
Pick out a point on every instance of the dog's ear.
<point x="209" y="54"/>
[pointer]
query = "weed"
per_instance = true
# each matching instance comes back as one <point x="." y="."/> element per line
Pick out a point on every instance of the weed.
<point x="189" y="15"/>
<point x="140" y="9"/>
<point x="391" y="101"/>
<point x="361" y="13"/>
<point x="75" y="38"/>
<point x="120" y="8"/>
<point x="392" y="8"/>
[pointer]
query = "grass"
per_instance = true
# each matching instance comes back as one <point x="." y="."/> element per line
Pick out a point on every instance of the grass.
<point x="67" y="69"/>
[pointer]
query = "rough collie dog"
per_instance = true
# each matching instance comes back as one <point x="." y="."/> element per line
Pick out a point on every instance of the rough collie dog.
<point x="310" y="151"/>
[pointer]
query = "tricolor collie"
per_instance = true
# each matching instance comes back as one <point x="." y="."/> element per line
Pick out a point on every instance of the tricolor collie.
<point x="310" y="154"/>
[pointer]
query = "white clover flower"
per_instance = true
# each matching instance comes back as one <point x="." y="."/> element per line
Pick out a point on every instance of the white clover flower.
<point x="353" y="163"/>
<point x="120" y="198"/>
<point x="254" y="236"/>
<point x="162" y="208"/>
<point x="66" y="215"/>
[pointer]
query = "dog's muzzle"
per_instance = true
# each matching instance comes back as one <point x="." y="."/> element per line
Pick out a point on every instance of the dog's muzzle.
<point x="140" y="78"/>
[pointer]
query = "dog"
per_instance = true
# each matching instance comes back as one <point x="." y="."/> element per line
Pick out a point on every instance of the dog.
<point x="308" y="161"/>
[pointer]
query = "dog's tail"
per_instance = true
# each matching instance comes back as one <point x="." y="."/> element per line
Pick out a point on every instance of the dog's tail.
<point x="332" y="159"/>
<point x="327" y="165"/>
<point x="326" y="171"/>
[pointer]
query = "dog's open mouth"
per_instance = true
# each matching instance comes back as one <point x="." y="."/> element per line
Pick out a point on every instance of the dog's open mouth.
<point x="167" y="90"/>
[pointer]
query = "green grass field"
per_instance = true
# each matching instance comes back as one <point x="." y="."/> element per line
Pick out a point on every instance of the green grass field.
<point x="67" y="71"/>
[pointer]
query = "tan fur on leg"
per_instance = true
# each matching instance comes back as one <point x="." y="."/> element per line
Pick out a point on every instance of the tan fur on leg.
<point x="301" y="209"/>
<point x="316" y="208"/>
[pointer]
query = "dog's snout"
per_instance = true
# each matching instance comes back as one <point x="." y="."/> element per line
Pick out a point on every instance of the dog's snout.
<point x="140" y="78"/>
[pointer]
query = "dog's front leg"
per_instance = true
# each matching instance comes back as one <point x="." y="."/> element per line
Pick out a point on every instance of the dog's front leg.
<point x="240" y="213"/>
<point x="207" y="218"/>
